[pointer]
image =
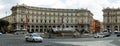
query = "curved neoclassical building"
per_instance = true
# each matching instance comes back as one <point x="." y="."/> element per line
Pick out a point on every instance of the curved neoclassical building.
<point x="38" y="19"/>
<point x="111" y="19"/>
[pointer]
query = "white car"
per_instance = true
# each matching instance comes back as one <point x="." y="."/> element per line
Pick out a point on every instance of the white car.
<point x="0" y="33"/>
<point x="99" y="35"/>
<point x="33" y="37"/>
<point x="17" y="33"/>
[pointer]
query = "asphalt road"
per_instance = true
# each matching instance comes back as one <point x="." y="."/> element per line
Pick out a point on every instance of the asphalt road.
<point x="18" y="40"/>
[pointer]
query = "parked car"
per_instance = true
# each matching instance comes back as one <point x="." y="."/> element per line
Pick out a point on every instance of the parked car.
<point x="17" y="33"/>
<point x="99" y="35"/>
<point x="33" y="37"/>
<point x="115" y="32"/>
<point x="0" y="33"/>
<point x="106" y="34"/>
<point x="118" y="34"/>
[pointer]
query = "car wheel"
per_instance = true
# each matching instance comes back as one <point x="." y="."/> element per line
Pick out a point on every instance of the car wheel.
<point x="97" y="36"/>
<point x="33" y="40"/>
<point x="103" y="36"/>
<point x="26" y="40"/>
<point x="40" y="41"/>
<point x="117" y="35"/>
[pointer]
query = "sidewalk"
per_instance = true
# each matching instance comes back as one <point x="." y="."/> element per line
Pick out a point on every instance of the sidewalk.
<point x="66" y="37"/>
<point x="7" y="34"/>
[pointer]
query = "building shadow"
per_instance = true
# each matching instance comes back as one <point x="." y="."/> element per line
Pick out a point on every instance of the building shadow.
<point x="116" y="42"/>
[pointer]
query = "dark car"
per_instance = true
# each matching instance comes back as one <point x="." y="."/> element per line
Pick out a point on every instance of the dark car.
<point x="118" y="34"/>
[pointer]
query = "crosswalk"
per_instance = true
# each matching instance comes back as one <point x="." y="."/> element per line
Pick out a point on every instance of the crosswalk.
<point x="90" y="43"/>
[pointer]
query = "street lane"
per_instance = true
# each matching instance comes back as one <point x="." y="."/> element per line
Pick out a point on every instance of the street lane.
<point x="18" y="40"/>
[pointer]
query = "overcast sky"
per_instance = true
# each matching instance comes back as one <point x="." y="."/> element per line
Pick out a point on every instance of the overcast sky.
<point x="95" y="6"/>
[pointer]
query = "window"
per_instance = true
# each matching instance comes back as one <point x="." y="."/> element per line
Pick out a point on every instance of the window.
<point x="28" y="26"/>
<point x="67" y="26"/>
<point x="116" y="20"/>
<point x="65" y="14"/>
<point x="37" y="31"/>
<point x="39" y="12"/>
<point x="41" y="30"/>
<point x="49" y="21"/>
<point x="69" y="14"/>
<point x="53" y="26"/>
<point x="58" y="26"/>
<point x="37" y="20"/>
<point x="76" y="26"/>
<point x="47" y="13"/>
<point x="116" y="26"/>
<point x="36" y="26"/>
<point x="73" y="14"/>
<point x="71" y="26"/>
<point x="61" y="14"/>
<point x="34" y="12"/>
<point x="82" y="26"/>
<point x="56" y="13"/>
<point x="45" y="26"/>
<point x="53" y="21"/>
<point x="107" y="20"/>
<point x="32" y="20"/>
<point x="34" y="17"/>
<point x="48" y="18"/>
<point x="67" y="20"/>
<point x="41" y="20"/>
<point x="77" y="14"/>
<point x="43" y="13"/>
<point x="32" y="26"/>
<point x="45" y="21"/>
<point x="20" y="10"/>
<point x="40" y="26"/>
<point x="30" y="12"/>
<point x="26" y="11"/>
<point x="49" y="26"/>
<point x="21" y="20"/>
<point x="21" y="25"/>
<point x="28" y="20"/>
<point x="52" y="13"/>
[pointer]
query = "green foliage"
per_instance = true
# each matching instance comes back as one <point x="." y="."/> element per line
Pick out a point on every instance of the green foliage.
<point x="3" y="25"/>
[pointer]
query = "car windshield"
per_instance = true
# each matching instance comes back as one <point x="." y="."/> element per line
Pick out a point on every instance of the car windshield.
<point x="35" y="35"/>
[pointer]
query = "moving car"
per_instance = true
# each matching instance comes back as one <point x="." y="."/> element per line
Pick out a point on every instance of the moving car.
<point x="107" y="33"/>
<point x="33" y="37"/>
<point x="18" y="33"/>
<point x="99" y="35"/>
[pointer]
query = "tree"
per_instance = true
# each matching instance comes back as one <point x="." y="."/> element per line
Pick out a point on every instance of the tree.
<point x="3" y="25"/>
